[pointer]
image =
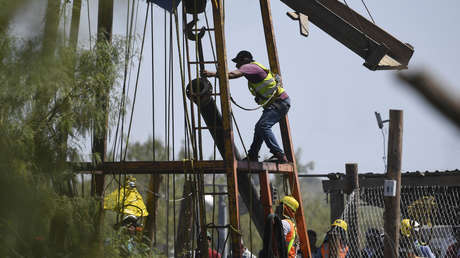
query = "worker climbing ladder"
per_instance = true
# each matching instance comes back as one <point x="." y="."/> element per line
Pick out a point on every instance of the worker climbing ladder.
<point x="221" y="126"/>
<point x="228" y="151"/>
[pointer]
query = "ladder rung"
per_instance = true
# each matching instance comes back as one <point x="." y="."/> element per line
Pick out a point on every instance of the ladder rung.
<point x="207" y="127"/>
<point x="216" y="193"/>
<point x="207" y="29"/>
<point x="215" y="94"/>
<point x="204" y="62"/>
<point x="217" y="226"/>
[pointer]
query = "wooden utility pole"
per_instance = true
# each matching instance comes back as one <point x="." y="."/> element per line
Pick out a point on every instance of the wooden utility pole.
<point x="353" y="223"/>
<point x="392" y="197"/>
<point x="184" y="230"/>
<point x="285" y="129"/>
<point x="152" y="207"/>
<point x="51" y="26"/>
<point x="99" y="149"/>
<point x="337" y="204"/>
<point x="104" y="31"/>
<point x="75" y="22"/>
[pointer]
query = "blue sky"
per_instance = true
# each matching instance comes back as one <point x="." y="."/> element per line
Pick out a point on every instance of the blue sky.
<point x="333" y="96"/>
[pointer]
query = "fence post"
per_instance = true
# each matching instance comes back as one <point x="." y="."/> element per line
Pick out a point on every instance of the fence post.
<point x="337" y="204"/>
<point x="353" y="223"/>
<point x="392" y="198"/>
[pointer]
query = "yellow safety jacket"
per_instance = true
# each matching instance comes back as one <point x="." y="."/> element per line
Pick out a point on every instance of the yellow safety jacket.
<point x="266" y="89"/>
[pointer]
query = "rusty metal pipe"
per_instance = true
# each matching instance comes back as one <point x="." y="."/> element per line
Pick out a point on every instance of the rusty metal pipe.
<point x="202" y="90"/>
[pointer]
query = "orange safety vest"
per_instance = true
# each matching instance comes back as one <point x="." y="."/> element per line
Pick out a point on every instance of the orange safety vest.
<point x="290" y="238"/>
<point x="343" y="250"/>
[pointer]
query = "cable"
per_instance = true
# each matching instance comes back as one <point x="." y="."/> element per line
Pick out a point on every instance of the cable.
<point x="278" y="84"/>
<point x="137" y="82"/>
<point x="89" y="25"/>
<point x="123" y="98"/>
<point x="370" y="15"/>
<point x="153" y="82"/>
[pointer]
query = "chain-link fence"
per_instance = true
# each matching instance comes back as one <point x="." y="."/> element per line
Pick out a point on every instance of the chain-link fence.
<point x="430" y="219"/>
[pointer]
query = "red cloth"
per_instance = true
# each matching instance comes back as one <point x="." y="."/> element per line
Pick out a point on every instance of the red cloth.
<point x="213" y="253"/>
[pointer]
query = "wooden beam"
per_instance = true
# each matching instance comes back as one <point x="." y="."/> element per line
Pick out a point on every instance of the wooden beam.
<point x="265" y="193"/>
<point x="229" y="155"/>
<point x="354" y="31"/>
<point x="285" y="129"/>
<point x="406" y="180"/>
<point x="178" y="167"/>
<point x="401" y="51"/>
<point x="270" y="167"/>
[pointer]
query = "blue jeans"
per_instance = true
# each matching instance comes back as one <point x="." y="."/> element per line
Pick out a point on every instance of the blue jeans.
<point x="271" y="115"/>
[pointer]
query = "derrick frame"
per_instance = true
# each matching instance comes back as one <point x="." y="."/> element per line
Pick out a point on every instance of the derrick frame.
<point x="285" y="129"/>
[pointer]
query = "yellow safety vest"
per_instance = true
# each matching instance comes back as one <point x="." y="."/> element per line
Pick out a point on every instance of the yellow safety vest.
<point x="266" y="88"/>
<point x="290" y="238"/>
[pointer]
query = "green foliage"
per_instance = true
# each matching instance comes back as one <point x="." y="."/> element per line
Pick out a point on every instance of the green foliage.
<point x="122" y="243"/>
<point x="48" y="104"/>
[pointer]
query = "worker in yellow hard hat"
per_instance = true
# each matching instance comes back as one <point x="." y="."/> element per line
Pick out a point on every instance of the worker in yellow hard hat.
<point x="410" y="244"/>
<point x="288" y="208"/>
<point x="335" y="242"/>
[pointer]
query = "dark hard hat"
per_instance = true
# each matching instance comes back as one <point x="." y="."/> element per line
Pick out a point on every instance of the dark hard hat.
<point x="208" y="236"/>
<point x="130" y="220"/>
<point x="242" y="55"/>
<point x="373" y="233"/>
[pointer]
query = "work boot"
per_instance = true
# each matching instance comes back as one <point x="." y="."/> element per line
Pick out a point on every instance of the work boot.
<point x="252" y="157"/>
<point x="278" y="158"/>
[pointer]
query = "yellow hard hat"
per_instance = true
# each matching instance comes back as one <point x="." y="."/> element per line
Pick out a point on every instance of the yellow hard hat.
<point x="408" y="225"/>
<point x="291" y="202"/>
<point x="340" y="223"/>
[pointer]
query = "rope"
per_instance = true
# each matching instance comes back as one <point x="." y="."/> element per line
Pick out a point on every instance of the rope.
<point x="153" y="82"/>
<point x="184" y="100"/>
<point x="192" y="133"/>
<point x="137" y="81"/>
<point x="192" y="107"/>
<point x="123" y="98"/>
<point x="370" y="15"/>
<point x="168" y="118"/>
<point x="191" y="163"/>
<point x="165" y="81"/>
<point x="278" y="84"/>
<point x="239" y="135"/>
<point x="235" y="230"/>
